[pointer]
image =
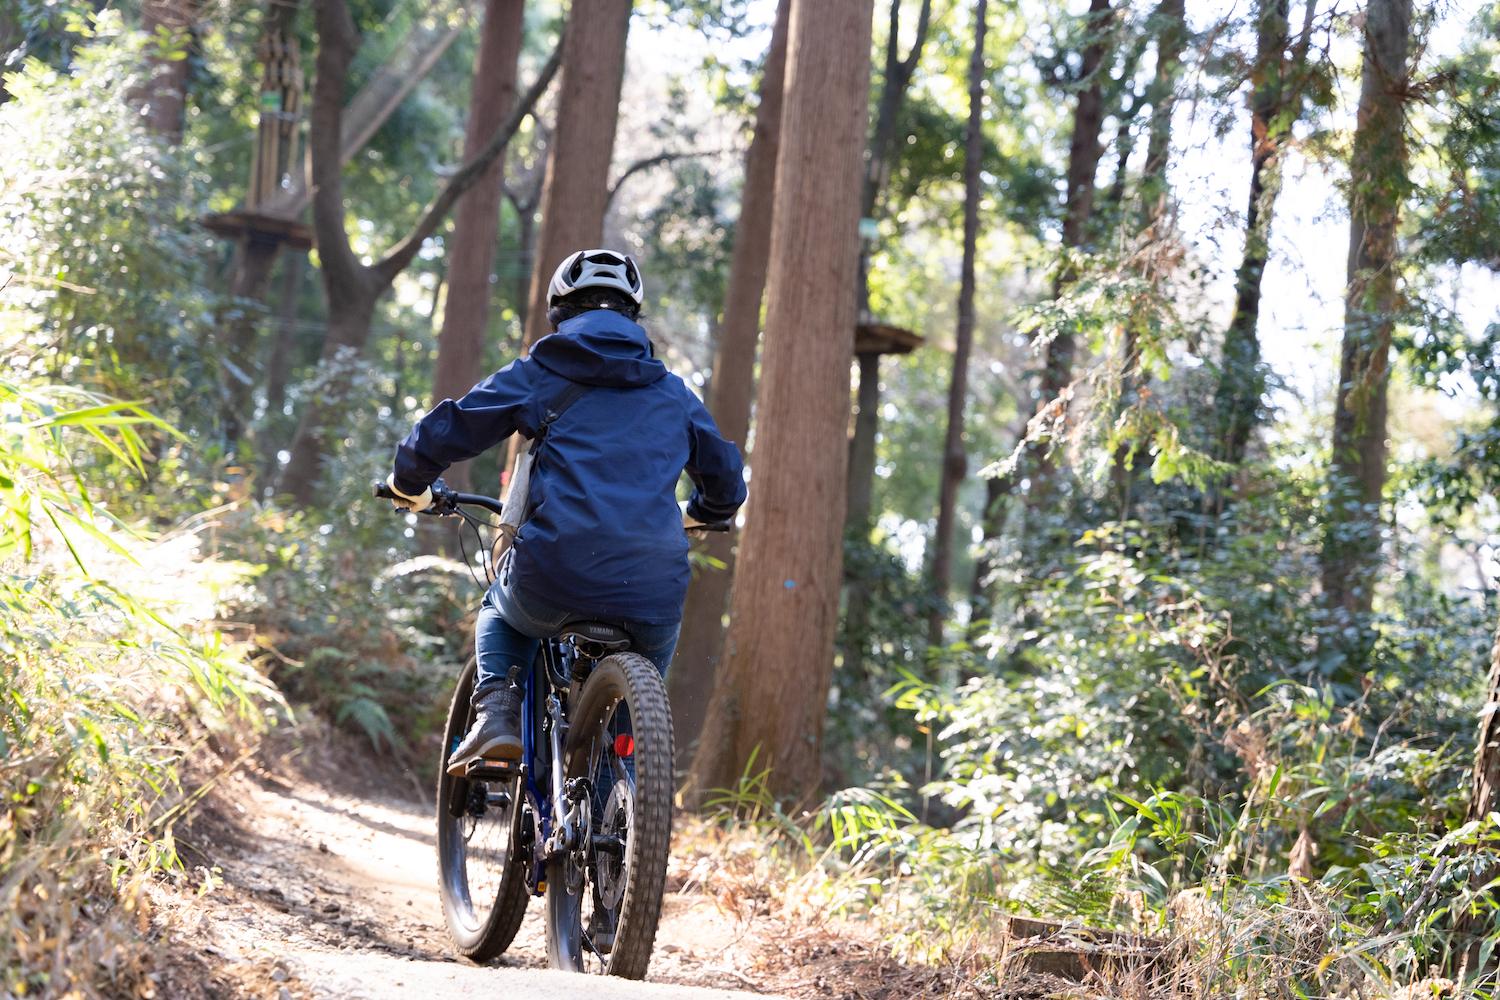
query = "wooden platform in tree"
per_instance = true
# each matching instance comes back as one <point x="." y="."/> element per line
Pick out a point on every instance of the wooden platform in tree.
<point x="880" y="338"/>
<point x="261" y="228"/>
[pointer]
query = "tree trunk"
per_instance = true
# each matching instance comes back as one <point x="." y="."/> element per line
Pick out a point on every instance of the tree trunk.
<point x="256" y="252"/>
<point x="164" y="98"/>
<point x="862" y="445"/>
<point x="698" y="649"/>
<point x="576" y="191"/>
<point x="995" y="490"/>
<point x="1161" y="93"/>
<point x="1351" y="546"/>
<point x="859" y="500"/>
<point x="1485" y="797"/>
<point x="526" y="253"/>
<point x="860" y="492"/>
<point x="897" y="81"/>
<point x="1241" y="380"/>
<point x="249" y="278"/>
<point x="460" y="360"/>
<point x="1084" y="151"/>
<point x="353" y="287"/>
<point x="770" y="696"/>
<point x="955" y="458"/>
<point x="279" y="363"/>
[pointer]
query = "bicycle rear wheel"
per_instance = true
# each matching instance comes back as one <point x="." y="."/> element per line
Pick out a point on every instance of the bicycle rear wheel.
<point x="620" y="738"/>
<point x="484" y="845"/>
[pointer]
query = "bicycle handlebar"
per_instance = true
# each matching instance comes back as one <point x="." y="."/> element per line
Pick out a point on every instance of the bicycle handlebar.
<point x="446" y="501"/>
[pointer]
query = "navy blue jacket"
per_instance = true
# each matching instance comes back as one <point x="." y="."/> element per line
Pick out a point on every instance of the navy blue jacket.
<point x="605" y="536"/>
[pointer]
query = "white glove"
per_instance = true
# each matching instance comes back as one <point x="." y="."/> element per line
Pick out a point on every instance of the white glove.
<point x="415" y="504"/>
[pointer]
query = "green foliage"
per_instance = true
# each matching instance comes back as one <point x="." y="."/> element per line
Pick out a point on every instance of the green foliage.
<point x="101" y="701"/>
<point x="351" y="620"/>
<point x="102" y="250"/>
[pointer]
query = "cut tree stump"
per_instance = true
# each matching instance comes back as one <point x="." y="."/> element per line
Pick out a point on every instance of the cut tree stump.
<point x="1070" y="950"/>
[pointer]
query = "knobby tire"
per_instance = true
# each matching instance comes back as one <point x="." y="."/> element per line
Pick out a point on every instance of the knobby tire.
<point x="480" y="928"/>
<point x="632" y="679"/>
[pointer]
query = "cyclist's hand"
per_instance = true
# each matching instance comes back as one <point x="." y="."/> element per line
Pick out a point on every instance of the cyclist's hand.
<point x="688" y="521"/>
<point x="414" y="504"/>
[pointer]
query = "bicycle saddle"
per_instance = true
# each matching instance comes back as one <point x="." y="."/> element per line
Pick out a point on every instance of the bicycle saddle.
<point x="608" y="638"/>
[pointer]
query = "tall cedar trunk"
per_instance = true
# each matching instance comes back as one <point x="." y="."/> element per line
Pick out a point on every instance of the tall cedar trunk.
<point x="1377" y="167"/>
<point x="1171" y="38"/>
<point x="164" y="98"/>
<point x="352" y="287"/>
<point x="860" y="491"/>
<point x="882" y="155"/>
<point x="1084" y="151"/>
<point x="576" y="191"/>
<point x="955" y="458"/>
<point x="691" y="679"/>
<point x="1241" y="380"/>
<point x="770" y="694"/>
<point x="460" y="360"/>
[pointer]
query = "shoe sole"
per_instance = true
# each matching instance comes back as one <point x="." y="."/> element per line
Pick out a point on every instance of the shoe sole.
<point x="498" y="749"/>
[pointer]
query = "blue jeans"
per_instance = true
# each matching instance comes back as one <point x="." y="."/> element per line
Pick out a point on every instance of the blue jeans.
<point x="512" y="624"/>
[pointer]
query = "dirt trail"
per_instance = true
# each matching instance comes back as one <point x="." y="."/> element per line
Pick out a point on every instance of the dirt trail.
<point x="339" y="890"/>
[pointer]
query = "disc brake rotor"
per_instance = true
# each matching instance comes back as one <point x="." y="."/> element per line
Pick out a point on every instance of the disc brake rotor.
<point x="614" y="825"/>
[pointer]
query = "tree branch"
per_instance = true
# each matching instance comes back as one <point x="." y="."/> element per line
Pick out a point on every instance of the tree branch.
<point x="654" y="161"/>
<point x="401" y="254"/>
<point x="909" y="64"/>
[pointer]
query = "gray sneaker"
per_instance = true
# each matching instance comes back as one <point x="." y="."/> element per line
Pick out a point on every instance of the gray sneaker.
<point x="496" y="733"/>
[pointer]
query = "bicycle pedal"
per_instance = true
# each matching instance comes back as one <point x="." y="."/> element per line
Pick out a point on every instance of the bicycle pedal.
<point x="492" y="770"/>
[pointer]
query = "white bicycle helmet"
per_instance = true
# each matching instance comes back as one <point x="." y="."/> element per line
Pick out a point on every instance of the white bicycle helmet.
<point x="596" y="269"/>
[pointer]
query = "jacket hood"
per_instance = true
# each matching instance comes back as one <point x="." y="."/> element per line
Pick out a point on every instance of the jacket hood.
<point x="600" y="347"/>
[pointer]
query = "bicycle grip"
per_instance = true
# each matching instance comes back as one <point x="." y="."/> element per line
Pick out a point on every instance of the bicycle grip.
<point x="380" y="491"/>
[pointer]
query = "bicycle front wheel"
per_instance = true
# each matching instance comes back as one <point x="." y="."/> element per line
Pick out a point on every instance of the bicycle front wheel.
<point x="484" y="844"/>
<point x="604" y="899"/>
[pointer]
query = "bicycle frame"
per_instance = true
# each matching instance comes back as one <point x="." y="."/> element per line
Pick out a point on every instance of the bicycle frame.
<point x="555" y="829"/>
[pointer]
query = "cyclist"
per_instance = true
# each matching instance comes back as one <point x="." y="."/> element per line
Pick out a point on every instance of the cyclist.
<point x="605" y="539"/>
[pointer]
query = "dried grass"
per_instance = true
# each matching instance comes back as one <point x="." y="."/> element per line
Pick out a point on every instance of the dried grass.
<point x="113" y="725"/>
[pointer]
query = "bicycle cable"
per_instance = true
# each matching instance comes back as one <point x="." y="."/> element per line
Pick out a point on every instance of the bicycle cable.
<point x="473" y="522"/>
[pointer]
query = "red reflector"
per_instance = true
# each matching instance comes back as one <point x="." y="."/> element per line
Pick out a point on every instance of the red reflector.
<point x="624" y="745"/>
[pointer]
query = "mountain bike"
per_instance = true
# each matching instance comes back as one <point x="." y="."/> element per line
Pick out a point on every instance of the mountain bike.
<point x="584" y="818"/>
